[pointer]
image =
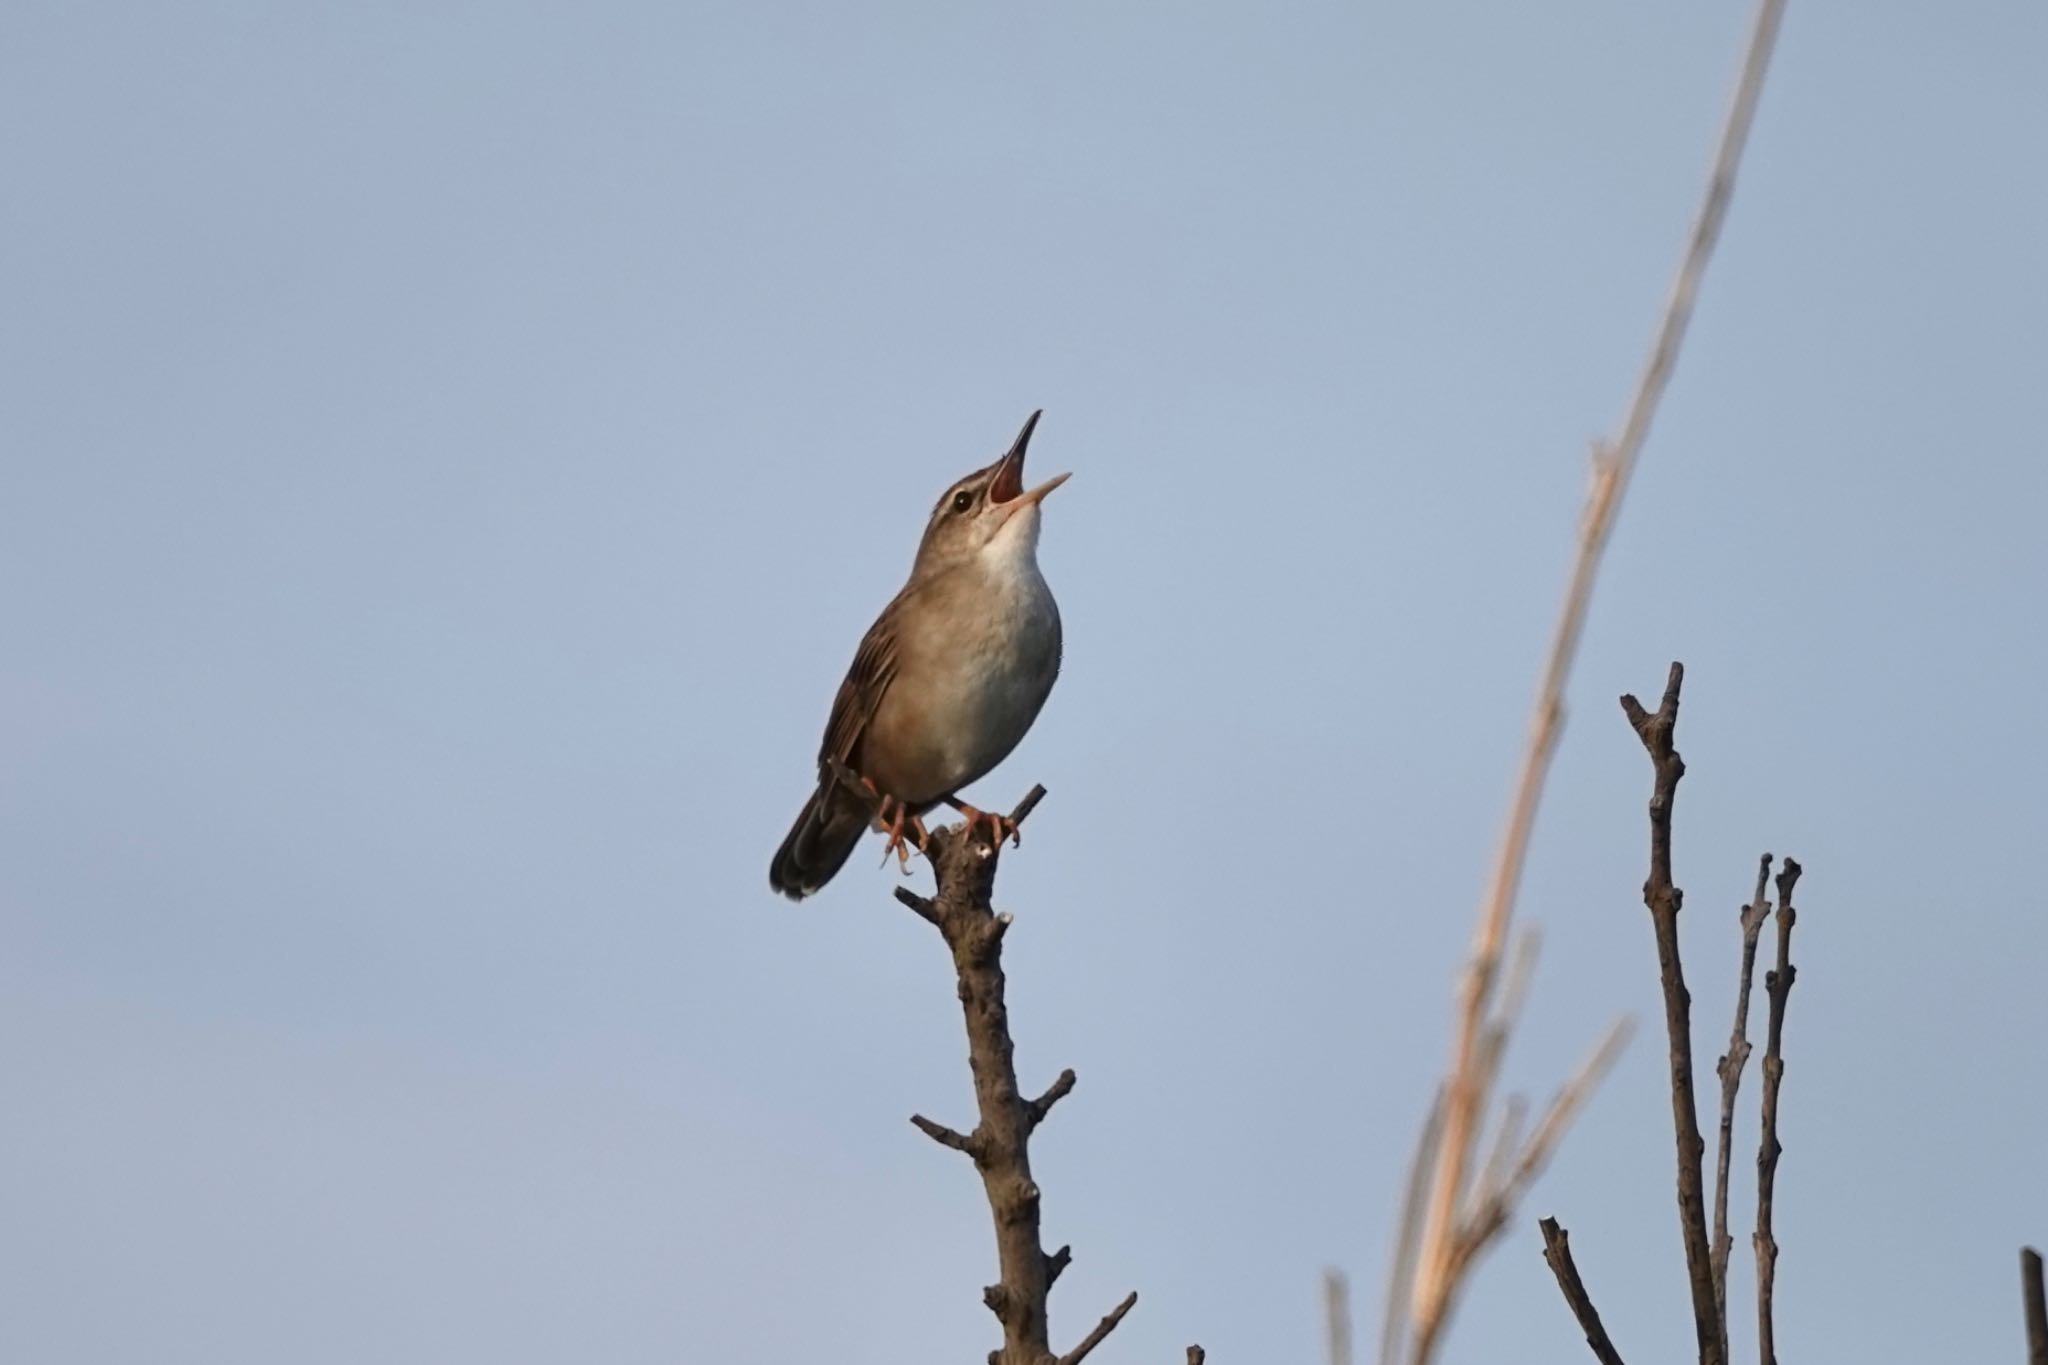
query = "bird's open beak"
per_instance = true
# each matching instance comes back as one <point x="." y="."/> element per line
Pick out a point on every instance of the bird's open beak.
<point x="1009" y="482"/>
<point x="1038" y="494"/>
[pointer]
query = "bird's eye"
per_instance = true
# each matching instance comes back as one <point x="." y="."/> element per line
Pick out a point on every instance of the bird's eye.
<point x="963" y="500"/>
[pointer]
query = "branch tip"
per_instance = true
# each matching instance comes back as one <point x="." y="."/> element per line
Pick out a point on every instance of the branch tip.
<point x="1557" y="1253"/>
<point x="1101" y="1332"/>
<point x="947" y="1137"/>
<point x="2035" y="1298"/>
<point x="1751" y="919"/>
<point x="1027" y="805"/>
<point x="1036" y="1110"/>
<point x="1664" y="899"/>
<point x="925" y="909"/>
<point x="1778" y="990"/>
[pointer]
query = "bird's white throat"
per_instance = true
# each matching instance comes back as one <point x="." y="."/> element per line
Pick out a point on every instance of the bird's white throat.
<point x="1013" y="549"/>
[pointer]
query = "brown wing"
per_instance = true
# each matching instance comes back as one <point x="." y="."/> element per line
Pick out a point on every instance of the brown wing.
<point x="874" y="668"/>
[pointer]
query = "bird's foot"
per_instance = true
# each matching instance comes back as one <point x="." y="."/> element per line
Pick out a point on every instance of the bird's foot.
<point x="905" y="830"/>
<point x="1000" y="827"/>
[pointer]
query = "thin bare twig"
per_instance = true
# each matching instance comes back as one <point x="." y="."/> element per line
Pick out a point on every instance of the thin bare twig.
<point x="1557" y="1252"/>
<point x="2035" y="1298"/>
<point x="1664" y="899"/>
<point x="1337" y="1315"/>
<point x="1467" y="1093"/>
<point x="1778" y="988"/>
<point x="1040" y="1107"/>
<point x="944" y="1136"/>
<point x="1101" y="1332"/>
<point x="1730" y="1071"/>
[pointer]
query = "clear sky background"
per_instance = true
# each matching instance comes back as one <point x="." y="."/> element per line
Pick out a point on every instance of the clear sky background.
<point x="451" y="452"/>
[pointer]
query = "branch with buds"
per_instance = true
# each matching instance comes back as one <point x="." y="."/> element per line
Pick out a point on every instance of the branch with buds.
<point x="1706" y="1258"/>
<point x="964" y="863"/>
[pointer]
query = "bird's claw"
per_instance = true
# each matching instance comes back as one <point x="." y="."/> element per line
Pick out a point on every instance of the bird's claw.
<point x="1000" y="827"/>
<point x="895" y="818"/>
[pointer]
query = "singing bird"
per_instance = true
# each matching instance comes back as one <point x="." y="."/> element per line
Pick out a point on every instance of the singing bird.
<point x="948" y="680"/>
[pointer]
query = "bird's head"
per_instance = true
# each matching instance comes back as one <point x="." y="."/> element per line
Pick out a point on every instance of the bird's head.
<point x="988" y="513"/>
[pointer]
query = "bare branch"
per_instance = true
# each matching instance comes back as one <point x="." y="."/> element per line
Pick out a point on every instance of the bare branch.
<point x="1040" y="1107"/>
<point x="965" y="868"/>
<point x="1729" y="1069"/>
<point x="925" y="909"/>
<point x="2036" y="1300"/>
<point x="1655" y="729"/>
<point x="1467" y="1094"/>
<point x="1102" y="1330"/>
<point x="1027" y="805"/>
<point x="1778" y="987"/>
<point x="1557" y="1252"/>
<point x="1337" y="1316"/>
<point x="946" y="1137"/>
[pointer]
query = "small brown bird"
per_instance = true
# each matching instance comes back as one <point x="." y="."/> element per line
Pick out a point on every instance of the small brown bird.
<point x="947" y="681"/>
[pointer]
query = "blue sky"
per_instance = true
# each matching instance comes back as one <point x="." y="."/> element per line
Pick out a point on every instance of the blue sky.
<point x="454" y="450"/>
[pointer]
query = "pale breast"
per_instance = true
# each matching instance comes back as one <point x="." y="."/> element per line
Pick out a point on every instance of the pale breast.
<point x="977" y="660"/>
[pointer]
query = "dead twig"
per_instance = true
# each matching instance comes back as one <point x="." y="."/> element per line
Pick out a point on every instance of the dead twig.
<point x="1778" y="988"/>
<point x="1101" y="1332"/>
<point x="1466" y="1094"/>
<point x="1557" y="1253"/>
<point x="2035" y="1299"/>
<point x="964" y="863"/>
<point x="1662" y="896"/>
<point x="1337" y="1316"/>
<point x="1057" y="1091"/>
<point x="1729" y="1069"/>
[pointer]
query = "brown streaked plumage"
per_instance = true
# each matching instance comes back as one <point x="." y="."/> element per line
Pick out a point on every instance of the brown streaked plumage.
<point x="948" y="679"/>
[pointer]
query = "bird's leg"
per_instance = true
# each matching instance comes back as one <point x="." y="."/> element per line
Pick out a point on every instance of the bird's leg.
<point x="896" y="819"/>
<point x="1001" y="827"/>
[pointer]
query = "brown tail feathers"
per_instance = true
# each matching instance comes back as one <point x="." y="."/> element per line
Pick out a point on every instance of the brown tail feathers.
<point x="824" y="834"/>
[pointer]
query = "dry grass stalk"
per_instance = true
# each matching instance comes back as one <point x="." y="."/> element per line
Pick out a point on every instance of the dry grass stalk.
<point x="1444" y="1248"/>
